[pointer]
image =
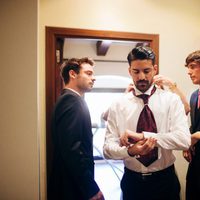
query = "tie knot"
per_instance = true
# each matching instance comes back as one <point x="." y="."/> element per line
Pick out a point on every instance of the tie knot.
<point x="144" y="97"/>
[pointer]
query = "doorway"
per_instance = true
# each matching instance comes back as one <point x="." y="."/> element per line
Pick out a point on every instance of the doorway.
<point x="55" y="38"/>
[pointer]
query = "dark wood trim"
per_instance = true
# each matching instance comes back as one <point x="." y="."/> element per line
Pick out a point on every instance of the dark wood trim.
<point x="50" y="91"/>
<point x="102" y="47"/>
<point x="53" y="34"/>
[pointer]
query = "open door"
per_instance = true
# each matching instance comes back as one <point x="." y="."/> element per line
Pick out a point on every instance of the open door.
<point x="54" y="56"/>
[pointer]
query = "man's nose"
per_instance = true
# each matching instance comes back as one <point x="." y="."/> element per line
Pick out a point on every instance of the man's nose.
<point x="93" y="78"/>
<point x="141" y="76"/>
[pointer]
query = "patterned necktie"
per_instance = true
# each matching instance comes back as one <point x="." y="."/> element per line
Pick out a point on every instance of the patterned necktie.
<point x="146" y="122"/>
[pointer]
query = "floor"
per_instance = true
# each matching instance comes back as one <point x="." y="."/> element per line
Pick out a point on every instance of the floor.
<point x="108" y="175"/>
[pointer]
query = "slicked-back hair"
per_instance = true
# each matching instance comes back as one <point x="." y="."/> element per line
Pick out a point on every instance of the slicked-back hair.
<point x="193" y="57"/>
<point x="141" y="53"/>
<point x="75" y="65"/>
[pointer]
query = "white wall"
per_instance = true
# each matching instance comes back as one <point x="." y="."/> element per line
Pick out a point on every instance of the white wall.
<point x="19" y="153"/>
<point x="177" y="23"/>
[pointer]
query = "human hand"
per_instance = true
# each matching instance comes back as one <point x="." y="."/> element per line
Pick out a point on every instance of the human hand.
<point x="187" y="155"/>
<point x="161" y="81"/>
<point x="129" y="88"/>
<point x="195" y="137"/>
<point x="98" y="196"/>
<point x="130" y="137"/>
<point x="142" y="147"/>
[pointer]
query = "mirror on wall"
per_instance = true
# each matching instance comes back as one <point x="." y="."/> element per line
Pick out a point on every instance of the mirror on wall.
<point x="109" y="50"/>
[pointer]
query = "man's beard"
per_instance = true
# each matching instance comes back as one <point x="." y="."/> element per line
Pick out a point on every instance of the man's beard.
<point x="143" y="85"/>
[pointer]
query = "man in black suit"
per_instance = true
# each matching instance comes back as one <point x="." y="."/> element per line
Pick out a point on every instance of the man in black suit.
<point x="72" y="175"/>
<point x="193" y="154"/>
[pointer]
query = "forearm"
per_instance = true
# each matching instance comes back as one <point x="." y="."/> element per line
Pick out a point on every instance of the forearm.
<point x="161" y="81"/>
<point x="112" y="150"/>
<point x="195" y="137"/>
<point x="173" y="140"/>
<point x="175" y="135"/>
<point x="174" y="88"/>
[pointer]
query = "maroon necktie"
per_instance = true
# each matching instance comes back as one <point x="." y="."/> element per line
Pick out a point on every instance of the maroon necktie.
<point x="146" y="122"/>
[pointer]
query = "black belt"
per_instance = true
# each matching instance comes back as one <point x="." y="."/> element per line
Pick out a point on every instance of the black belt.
<point x="150" y="174"/>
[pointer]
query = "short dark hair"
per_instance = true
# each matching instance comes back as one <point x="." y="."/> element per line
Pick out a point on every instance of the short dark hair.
<point x="75" y="65"/>
<point x="141" y="53"/>
<point x="194" y="56"/>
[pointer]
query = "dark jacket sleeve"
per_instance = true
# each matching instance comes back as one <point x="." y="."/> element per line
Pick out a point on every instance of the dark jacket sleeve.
<point x="193" y="104"/>
<point x="74" y="139"/>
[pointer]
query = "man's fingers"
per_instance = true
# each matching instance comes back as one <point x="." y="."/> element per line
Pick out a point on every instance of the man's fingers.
<point x="124" y="141"/>
<point x="148" y="146"/>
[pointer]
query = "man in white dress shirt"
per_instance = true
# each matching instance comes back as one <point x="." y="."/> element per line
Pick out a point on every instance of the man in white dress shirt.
<point x="156" y="180"/>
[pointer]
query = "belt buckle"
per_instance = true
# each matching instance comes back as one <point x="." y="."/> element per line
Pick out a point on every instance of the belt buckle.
<point x="145" y="175"/>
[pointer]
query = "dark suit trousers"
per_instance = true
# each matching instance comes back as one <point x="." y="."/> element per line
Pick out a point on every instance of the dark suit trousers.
<point x="162" y="185"/>
<point x="193" y="179"/>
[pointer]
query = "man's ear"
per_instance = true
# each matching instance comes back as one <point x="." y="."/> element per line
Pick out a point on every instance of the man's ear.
<point x="155" y="67"/>
<point x="72" y="74"/>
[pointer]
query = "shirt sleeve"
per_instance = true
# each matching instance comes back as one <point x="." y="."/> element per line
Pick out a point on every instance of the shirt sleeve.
<point x="112" y="148"/>
<point x="178" y="135"/>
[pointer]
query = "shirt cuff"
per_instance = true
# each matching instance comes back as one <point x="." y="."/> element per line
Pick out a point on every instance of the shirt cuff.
<point x="149" y="134"/>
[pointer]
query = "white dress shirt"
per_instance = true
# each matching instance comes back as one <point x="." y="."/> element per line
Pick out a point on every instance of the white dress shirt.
<point x="173" y="131"/>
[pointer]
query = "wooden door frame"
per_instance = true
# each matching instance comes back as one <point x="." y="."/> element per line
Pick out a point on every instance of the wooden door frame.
<point x="54" y="33"/>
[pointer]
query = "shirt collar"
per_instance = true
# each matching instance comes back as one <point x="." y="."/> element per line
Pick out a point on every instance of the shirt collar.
<point x="73" y="90"/>
<point x="148" y="92"/>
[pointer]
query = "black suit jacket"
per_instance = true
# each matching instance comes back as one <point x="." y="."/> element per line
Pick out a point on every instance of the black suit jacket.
<point x="73" y="165"/>
<point x="194" y="166"/>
